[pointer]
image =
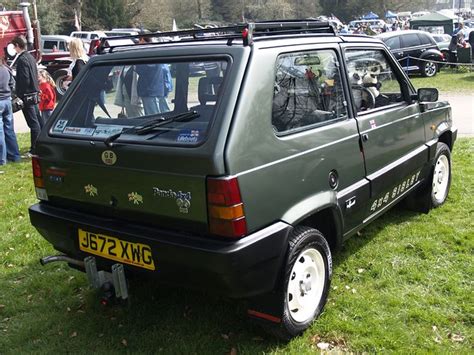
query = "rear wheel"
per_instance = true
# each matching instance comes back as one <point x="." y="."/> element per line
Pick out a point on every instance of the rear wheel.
<point x="307" y="277"/>
<point x="429" y="69"/>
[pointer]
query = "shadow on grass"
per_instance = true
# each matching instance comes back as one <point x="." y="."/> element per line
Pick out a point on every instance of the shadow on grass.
<point x="52" y="309"/>
<point x="398" y="214"/>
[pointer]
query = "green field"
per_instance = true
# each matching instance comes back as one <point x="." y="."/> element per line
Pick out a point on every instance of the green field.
<point x="459" y="81"/>
<point x="404" y="284"/>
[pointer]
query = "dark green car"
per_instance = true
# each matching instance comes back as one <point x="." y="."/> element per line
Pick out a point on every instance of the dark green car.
<point x="243" y="177"/>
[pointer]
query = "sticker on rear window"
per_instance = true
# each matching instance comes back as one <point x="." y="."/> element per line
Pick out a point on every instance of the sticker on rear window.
<point x="188" y="136"/>
<point x="106" y="131"/>
<point x="59" y="126"/>
<point x="80" y="131"/>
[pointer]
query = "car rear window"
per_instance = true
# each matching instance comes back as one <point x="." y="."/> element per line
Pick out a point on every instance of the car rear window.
<point x="113" y="99"/>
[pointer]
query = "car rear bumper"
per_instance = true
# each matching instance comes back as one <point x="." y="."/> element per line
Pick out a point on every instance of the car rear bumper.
<point x="246" y="267"/>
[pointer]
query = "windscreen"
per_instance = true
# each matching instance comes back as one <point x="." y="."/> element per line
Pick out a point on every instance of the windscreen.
<point x="121" y="99"/>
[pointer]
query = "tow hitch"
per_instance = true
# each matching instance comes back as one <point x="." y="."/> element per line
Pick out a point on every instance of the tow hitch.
<point x="112" y="284"/>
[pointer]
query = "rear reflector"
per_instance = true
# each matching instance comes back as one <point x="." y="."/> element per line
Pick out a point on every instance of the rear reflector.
<point x="37" y="175"/>
<point x="225" y="208"/>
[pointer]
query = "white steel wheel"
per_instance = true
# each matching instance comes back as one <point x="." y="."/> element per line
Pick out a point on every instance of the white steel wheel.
<point x="441" y="178"/>
<point x="306" y="285"/>
<point x="307" y="279"/>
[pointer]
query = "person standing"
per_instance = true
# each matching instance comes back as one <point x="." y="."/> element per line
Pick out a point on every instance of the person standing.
<point x="47" y="94"/>
<point x="9" y="150"/>
<point x="27" y="89"/>
<point x="79" y="57"/>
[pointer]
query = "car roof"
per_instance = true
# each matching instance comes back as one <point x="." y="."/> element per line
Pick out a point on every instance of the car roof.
<point x="57" y="37"/>
<point x="260" y="42"/>
<point x="399" y="33"/>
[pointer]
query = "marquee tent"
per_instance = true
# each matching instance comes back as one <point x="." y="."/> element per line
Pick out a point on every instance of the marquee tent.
<point x="433" y="20"/>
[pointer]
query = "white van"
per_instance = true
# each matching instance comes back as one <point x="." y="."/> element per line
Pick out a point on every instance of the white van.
<point x="54" y="43"/>
<point x="87" y="36"/>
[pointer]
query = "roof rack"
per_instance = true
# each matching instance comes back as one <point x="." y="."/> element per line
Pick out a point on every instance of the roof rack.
<point x="246" y="32"/>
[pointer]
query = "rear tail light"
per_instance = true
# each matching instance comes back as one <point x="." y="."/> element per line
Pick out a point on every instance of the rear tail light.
<point x="37" y="175"/>
<point x="225" y="207"/>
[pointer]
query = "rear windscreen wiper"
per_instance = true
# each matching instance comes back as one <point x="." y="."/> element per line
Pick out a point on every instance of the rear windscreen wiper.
<point x="152" y="124"/>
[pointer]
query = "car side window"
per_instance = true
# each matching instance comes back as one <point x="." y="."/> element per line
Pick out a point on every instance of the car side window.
<point x="393" y="43"/>
<point x="62" y="46"/>
<point x="411" y="40"/>
<point x="425" y="40"/>
<point x="307" y="90"/>
<point x="372" y="79"/>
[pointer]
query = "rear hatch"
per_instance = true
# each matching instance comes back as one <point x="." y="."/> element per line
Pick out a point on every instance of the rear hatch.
<point x="132" y="142"/>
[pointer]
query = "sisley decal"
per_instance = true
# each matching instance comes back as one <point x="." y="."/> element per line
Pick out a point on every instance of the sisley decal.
<point x="183" y="199"/>
<point x="389" y="196"/>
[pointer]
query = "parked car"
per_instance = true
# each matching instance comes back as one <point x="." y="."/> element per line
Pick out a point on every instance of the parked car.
<point x="88" y="35"/>
<point x="54" y="43"/>
<point x="116" y="32"/>
<point x="416" y="51"/>
<point x="248" y="178"/>
<point x="443" y="40"/>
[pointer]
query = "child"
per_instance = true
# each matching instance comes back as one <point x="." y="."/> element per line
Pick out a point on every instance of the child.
<point x="48" y="94"/>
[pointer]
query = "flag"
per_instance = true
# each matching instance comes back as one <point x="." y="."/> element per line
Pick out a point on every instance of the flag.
<point x="77" y="25"/>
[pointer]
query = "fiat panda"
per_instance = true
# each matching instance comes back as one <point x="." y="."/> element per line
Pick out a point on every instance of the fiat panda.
<point x="244" y="179"/>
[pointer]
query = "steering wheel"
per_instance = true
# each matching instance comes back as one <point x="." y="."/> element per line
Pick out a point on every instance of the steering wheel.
<point x="363" y="97"/>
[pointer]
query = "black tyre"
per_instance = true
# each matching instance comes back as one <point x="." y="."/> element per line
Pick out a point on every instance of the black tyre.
<point x="306" y="282"/>
<point x="59" y="77"/>
<point x="429" y="69"/>
<point x="441" y="178"/>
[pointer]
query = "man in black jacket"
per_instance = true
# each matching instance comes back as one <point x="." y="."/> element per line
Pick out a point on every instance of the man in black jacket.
<point x="27" y="88"/>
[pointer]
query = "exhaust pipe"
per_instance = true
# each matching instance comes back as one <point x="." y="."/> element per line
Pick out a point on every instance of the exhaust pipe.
<point x="61" y="257"/>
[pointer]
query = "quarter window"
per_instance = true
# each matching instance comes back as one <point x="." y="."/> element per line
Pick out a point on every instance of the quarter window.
<point x="372" y="79"/>
<point x="307" y="90"/>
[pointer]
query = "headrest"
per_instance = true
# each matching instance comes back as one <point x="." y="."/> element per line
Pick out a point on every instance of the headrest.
<point x="208" y="89"/>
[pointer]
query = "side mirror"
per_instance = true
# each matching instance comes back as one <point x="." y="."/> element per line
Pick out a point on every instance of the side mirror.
<point x="428" y="95"/>
<point x="11" y="52"/>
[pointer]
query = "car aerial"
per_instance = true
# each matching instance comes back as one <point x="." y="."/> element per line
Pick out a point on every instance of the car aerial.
<point x="416" y="51"/>
<point x="243" y="180"/>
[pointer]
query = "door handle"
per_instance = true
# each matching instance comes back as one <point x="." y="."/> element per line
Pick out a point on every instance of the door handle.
<point x="365" y="137"/>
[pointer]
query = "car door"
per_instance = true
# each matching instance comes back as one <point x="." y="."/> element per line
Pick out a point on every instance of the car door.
<point x="391" y="128"/>
<point x="412" y="48"/>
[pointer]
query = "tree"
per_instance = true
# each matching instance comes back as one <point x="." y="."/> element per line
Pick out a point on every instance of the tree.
<point x="106" y="14"/>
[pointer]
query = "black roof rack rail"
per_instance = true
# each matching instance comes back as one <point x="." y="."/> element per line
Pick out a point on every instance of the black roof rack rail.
<point x="246" y="31"/>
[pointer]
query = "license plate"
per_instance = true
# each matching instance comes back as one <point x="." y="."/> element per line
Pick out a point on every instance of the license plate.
<point x="135" y="254"/>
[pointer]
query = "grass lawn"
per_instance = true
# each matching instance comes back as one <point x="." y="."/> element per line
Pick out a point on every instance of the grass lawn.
<point x="405" y="284"/>
<point x="458" y="81"/>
